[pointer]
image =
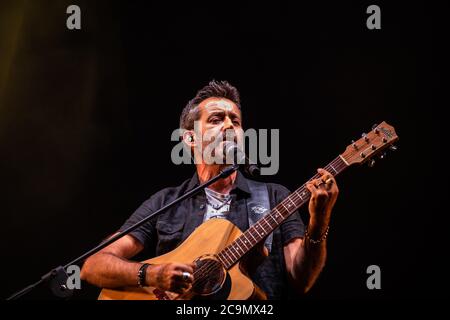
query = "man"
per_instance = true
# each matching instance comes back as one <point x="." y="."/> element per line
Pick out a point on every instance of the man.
<point x="297" y="254"/>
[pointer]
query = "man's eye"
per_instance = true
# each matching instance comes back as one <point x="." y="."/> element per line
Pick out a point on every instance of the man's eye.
<point x="214" y="120"/>
<point x="238" y="123"/>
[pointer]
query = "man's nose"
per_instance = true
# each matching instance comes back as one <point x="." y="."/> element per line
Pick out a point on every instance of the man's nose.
<point x="228" y="130"/>
<point x="227" y="124"/>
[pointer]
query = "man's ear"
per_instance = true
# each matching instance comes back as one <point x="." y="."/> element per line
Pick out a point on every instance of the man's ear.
<point x="189" y="138"/>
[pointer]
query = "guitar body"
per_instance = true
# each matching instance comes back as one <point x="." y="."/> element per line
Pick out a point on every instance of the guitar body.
<point x="217" y="245"/>
<point x="208" y="239"/>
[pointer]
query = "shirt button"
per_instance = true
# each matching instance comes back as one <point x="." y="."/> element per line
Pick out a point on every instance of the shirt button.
<point x="202" y="207"/>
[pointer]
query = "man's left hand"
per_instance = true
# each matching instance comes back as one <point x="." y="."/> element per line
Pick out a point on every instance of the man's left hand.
<point x="324" y="192"/>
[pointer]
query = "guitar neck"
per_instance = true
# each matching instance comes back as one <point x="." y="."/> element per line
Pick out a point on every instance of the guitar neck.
<point x="261" y="229"/>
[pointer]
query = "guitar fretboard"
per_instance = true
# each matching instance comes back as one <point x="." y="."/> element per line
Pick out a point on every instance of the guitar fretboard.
<point x="266" y="225"/>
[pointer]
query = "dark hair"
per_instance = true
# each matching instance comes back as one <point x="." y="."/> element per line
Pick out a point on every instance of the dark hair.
<point x="219" y="89"/>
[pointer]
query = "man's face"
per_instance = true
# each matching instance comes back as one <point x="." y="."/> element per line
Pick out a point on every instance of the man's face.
<point x="220" y="120"/>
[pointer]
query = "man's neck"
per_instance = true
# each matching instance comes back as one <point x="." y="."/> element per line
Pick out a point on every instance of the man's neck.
<point x="206" y="172"/>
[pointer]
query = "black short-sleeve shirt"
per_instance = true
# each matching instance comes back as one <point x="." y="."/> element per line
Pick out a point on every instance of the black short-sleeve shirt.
<point x="166" y="231"/>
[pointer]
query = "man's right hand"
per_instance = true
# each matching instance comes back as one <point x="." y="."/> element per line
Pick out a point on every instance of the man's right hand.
<point x="169" y="277"/>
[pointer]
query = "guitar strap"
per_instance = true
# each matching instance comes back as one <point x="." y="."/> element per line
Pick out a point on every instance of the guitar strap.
<point x="258" y="205"/>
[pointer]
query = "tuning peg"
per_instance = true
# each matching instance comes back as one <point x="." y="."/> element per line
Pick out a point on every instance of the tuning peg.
<point x="375" y="129"/>
<point x="354" y="145"/>
<point x="383" y="155"/>
<point x="366" y="138"/>
<point x="393" y="148"/>
<point x="371" y="163"/>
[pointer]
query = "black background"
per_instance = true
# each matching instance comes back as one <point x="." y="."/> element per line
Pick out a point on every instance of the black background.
<point x="86" y="118"/>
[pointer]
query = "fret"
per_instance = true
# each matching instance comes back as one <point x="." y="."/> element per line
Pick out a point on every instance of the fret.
<point x="292" y="201"/>
<point x="267" y="223"/>
<point x="282" y="204"/>
<point x="301" y="193"/>
<point x="270" y="215"/>
<point x="236" y="248"/>
<point x="277" y="213"/>
<point x="282" y="211"/>
<point x="249" y="231"/>
<point x="220" y="257"/>
<point x="229" y="250"/>
<point x="242" y="243"/>
<point x="229" y="258"/>
<point x="247" y="240"/>
<point x="223" y="259"/>
<point x="256" y="229"/>
<point x="264" y="232"/>
<point x="335" y="171"/>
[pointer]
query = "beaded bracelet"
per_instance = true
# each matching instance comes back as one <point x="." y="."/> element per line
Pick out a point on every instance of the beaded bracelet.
<point x="322" y="238"/>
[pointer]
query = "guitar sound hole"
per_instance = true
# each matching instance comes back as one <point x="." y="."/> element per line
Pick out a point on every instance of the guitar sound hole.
<point x="209" y="276"/>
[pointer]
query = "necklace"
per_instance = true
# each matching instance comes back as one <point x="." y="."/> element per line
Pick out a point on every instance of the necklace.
<point x="218" y="206"/>
<point x="220" y="200"/>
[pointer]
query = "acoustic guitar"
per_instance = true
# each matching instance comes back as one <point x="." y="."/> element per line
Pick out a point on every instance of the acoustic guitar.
<point x="218" y="247"/>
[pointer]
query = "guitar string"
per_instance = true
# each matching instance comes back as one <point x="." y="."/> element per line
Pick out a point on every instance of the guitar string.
<point x="338" y="164"/>
<point x="285" y="203"/>
<point x="206" y="271"/>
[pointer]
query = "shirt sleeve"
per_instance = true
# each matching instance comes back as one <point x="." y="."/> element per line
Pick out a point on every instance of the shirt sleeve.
<point x="293" y="226"/>
<point x="145" y="232"/>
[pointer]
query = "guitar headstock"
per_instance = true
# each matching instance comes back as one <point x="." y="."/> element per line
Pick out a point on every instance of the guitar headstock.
<point x="374" y="143"/>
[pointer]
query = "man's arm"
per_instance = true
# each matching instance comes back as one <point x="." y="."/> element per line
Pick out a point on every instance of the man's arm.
<point x="110" y="268"/>
<point x="305" y="257"/>
<point x="304" y="262"/>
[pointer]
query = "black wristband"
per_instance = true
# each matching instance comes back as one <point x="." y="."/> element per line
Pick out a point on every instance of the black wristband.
<point x="142" y="273"/>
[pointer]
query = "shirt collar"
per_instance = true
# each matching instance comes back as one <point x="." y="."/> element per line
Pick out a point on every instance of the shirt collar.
<point x="240" y="183"/>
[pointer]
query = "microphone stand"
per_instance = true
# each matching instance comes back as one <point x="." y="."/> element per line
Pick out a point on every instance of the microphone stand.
<point x="57" y="277"/>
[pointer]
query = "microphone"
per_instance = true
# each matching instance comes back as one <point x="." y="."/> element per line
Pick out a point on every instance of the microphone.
<point x="232" y="152"/>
